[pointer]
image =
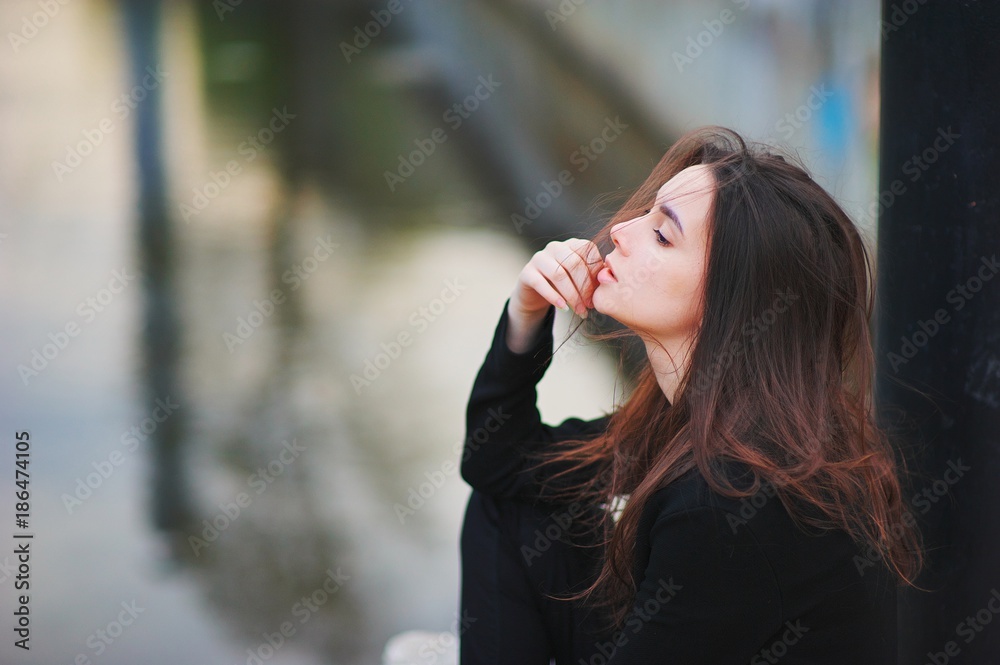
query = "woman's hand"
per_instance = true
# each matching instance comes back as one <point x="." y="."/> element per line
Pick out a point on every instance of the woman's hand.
<point x="563" y="273"/>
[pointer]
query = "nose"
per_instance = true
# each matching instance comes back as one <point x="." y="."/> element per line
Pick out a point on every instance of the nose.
<point x="616" y="236"/>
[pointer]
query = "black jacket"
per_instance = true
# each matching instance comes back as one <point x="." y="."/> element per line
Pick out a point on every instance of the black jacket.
<point x="722" y="580"/>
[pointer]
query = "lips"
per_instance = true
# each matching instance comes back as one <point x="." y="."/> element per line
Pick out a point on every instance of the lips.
<point x="606" y="274"/>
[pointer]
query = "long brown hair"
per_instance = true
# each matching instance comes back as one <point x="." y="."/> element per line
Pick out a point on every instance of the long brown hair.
<point x="787" y="393"/>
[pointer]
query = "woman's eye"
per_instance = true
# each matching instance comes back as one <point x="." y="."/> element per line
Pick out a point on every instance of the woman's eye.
<point x="647" y="211"/>
<point x="659" y="238"/>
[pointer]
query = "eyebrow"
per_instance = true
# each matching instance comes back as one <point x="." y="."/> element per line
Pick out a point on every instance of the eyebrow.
<point x="672" y="214"/>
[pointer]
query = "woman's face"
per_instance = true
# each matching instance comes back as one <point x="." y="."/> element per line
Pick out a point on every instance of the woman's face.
<point x="653" y="280"/>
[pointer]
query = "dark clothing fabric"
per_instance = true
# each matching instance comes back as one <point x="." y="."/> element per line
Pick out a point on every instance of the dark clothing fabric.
<point x="721" y="580"/>
<point x="513" y="554"/>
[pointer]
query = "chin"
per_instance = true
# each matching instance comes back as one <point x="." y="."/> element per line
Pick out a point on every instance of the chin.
<point x="601" y="310"/>
<point x="597" y="298"/>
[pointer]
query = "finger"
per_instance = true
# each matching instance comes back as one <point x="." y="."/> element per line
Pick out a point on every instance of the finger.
<point x="591" y="262"/>
<point x="594" y="263"/>
<point x="565" y="270"/>
<point x="537" y="281"/>
<point x="551" y="270"/>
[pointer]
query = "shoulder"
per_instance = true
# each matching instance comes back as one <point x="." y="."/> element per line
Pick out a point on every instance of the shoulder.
<point x="754" y="531"/>
<point x="762" y="513"/>
<point x="690" y="510"/>
<point x="758" y="527"/>
<point x="744" y="563"/>
<point x="692" y="490"/>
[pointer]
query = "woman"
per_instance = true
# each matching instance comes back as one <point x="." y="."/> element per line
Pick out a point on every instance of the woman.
<point x="741" y="506"/>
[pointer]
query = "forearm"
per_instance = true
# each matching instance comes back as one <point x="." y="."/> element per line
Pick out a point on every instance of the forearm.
<point x="522" y="329"/>
<point x="503" y="426"/>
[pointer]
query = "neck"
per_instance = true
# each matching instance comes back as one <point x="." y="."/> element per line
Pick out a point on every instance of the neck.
<point x="669" y="359"/>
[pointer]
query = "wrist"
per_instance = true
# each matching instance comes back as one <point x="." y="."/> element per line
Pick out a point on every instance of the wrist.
<point x="523" y="329"/>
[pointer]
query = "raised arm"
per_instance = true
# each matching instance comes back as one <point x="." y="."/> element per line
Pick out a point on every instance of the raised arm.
<point x="503" y="425"/>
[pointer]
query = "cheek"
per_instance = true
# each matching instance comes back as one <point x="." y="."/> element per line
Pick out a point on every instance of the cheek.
<point x="695" y="285"/>
<point x="681" y="286"/>
<point x="673" y="281"/>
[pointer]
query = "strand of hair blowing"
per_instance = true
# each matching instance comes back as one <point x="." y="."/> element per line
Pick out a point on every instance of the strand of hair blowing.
<point x="794" y="403"/>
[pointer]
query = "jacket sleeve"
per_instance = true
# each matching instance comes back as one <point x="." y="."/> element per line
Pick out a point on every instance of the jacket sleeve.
<point x="503" y="425"/>
<point x="708" y="596"/>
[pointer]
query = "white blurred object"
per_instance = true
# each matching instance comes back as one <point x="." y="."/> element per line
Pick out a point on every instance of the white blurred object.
<point x="421" y="647"/>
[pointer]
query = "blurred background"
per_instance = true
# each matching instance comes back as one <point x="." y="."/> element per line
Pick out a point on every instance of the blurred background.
<point x="254" y="254"/>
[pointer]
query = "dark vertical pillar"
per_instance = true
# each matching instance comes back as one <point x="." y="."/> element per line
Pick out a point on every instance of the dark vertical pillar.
<point x="161" y="331"/>
<point x="938" y="319"/>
